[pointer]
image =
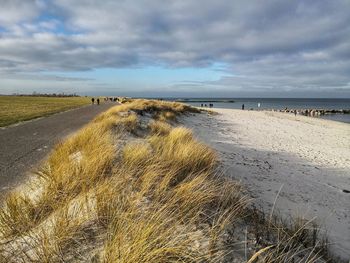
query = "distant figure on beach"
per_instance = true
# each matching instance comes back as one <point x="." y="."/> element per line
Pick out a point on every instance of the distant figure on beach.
<point x="93" y="100"/>
<point x="210" y="105"/>
<point x="201" y="104"/>
<point x="242" y="106"/>
<point x="258" y="105"/>
<point x="205" y="105"/>
<point x="98" y="101"/>
<point x="295" y="112"/>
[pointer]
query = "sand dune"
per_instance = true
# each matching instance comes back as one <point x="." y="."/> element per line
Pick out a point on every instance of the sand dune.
<point x="307" y="159"/>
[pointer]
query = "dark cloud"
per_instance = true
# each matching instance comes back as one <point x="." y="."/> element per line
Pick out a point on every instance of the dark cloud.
<point x="264" y="44"/>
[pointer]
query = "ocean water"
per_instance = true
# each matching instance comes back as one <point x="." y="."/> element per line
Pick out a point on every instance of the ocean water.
<point x="273" y="103"/>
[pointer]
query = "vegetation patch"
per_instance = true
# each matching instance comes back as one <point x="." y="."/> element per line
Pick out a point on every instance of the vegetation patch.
<point x="133" y="186"/>
<point x="22" y="108"/>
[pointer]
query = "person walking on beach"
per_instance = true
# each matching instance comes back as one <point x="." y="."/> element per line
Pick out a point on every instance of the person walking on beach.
<point x="92" y="100"/>
<point x="98" y="101"/>
<point x="242" y="106"/>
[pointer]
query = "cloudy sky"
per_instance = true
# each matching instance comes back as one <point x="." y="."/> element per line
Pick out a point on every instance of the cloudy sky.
<point x="234" y="48"/>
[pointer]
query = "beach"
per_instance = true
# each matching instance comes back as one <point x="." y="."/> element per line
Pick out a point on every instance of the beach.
<point x="296" y="166"/>
<point x="172" y="182"/>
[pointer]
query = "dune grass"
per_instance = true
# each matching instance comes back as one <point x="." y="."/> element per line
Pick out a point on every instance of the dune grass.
<point x="121" y="190"/>
<point x="21" y="108"/>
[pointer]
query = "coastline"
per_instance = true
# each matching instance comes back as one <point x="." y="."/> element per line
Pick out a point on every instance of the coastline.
<point x="303" y="161"/>
<point x="166" y="184"/>
<point x="332" y="109"/>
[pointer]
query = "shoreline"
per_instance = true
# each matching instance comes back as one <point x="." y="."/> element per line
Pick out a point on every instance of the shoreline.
<point x="332" y="115"/>
<point x="302" y="161"/>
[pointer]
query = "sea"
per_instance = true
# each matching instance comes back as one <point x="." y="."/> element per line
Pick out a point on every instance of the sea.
<point x="277" y="104"/>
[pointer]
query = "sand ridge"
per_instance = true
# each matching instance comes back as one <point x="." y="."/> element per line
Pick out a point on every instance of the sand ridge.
<point x="307" y="158"/>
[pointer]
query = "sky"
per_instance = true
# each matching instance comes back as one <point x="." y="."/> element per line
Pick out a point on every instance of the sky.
<point x="176" y="48"/>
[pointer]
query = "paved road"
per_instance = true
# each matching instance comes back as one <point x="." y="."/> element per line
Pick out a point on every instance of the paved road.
<point x="25" y="145"/>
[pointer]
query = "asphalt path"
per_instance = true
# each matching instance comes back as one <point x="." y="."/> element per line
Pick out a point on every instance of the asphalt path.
<point x="24" y="145"/>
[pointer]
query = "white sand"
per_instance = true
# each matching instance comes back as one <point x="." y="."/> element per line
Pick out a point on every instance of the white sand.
<point x="308" y="157"/>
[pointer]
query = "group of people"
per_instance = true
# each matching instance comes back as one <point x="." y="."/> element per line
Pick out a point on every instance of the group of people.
<point x="113" y="99"/>
<point x="205" y="105"/>
<point x="97" y="101"/>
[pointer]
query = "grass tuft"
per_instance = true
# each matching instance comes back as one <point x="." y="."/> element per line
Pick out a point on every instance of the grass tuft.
<point x="159" y="128"/>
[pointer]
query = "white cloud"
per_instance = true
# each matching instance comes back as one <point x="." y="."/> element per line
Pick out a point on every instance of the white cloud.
<point x="14" y="11"/>
<point x="271" y="43"/>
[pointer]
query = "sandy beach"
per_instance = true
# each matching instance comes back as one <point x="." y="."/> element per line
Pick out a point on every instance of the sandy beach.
<point x="303" y="161"/>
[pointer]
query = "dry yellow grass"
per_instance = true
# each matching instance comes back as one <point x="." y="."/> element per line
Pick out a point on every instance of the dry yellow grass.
<point x="159" y="128"/>
<point x="109" y="194"/>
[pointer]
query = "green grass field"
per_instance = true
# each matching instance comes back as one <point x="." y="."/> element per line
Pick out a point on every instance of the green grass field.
<point x="14" y="109"/>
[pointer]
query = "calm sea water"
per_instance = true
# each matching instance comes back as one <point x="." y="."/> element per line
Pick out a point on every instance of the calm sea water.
<point x="252" y="103"/>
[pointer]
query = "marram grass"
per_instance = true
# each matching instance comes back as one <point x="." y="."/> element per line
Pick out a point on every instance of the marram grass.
<point x="121" y="191"/>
